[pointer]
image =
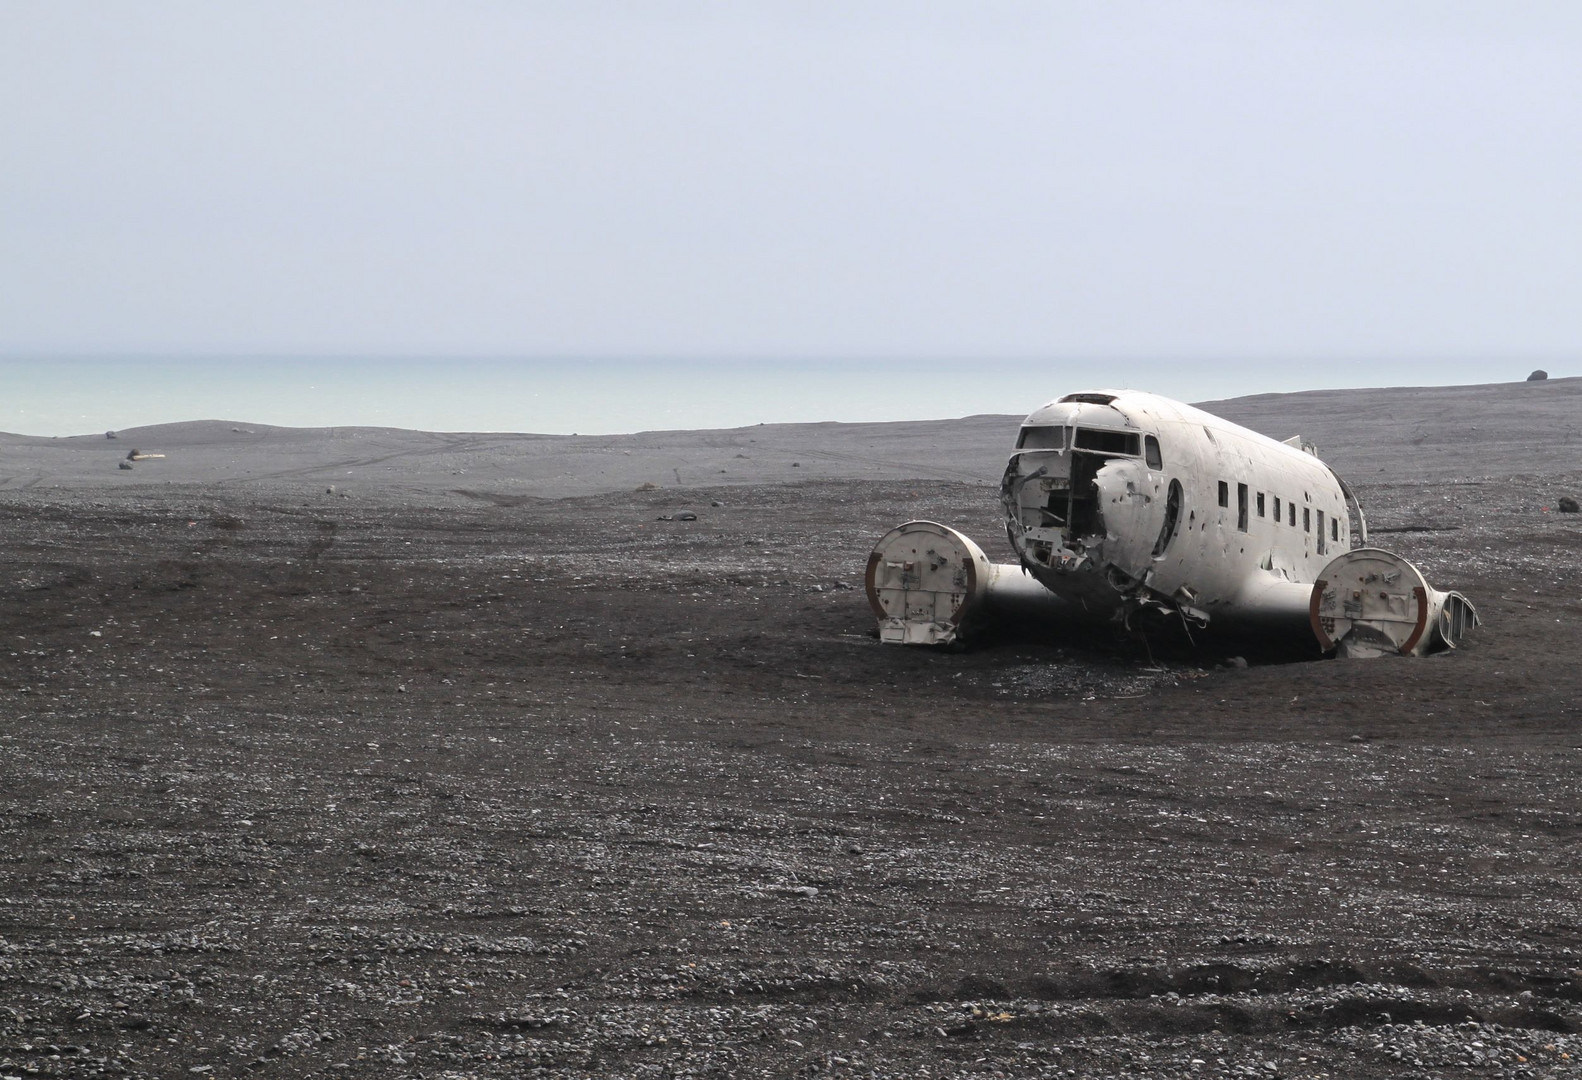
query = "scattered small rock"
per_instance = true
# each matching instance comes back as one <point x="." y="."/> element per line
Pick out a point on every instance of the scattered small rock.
<point x="127" y="465"/>
<point x="1237" y="662"/>
<point x="111" y="435"/>
<point x="806" y="892"/>
<point x="1567" y="505"/>
<point x="647" y="485"/>
<point x="1538" y="376"/>
<point x="687" y="515"/>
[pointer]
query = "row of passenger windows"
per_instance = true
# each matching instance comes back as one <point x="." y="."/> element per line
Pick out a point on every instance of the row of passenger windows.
<point x="1290" y="512"/>
<point x="1125" y="443"/>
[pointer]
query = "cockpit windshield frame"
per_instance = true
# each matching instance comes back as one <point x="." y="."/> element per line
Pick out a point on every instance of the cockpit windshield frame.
<point x="1042" y="437"/>
<point x="1108" y="441"/>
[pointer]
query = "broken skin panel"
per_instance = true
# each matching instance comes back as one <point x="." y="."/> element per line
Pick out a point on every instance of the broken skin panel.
<point x="1127" y="493"/>
<point x="1132" y="499"/>
<point x="1279" y="565"/>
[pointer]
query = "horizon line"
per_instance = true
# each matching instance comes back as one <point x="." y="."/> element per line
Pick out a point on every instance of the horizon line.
<point x="742" y="427"/>
<point x="9" y="354"/>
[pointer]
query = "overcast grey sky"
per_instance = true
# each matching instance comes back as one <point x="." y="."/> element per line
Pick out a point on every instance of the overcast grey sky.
<point x="801" y="179"/>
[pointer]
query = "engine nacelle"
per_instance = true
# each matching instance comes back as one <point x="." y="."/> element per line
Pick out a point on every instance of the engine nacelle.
<point x="1369" y="602"/>
<point x="931" y="585"/>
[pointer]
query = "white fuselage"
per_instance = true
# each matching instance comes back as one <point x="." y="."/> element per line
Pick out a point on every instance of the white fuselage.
<point x="1121" y="501"/>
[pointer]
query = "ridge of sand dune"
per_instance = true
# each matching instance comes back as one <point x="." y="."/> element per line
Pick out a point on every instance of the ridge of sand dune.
<point x="1456" y="431"/>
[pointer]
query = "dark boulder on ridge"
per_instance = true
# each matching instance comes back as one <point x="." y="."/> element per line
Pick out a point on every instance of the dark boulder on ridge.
<point x="1538" y="376"/>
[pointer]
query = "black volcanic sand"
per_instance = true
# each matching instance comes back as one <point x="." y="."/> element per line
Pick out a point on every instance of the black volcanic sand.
<point x="466" y="782"/>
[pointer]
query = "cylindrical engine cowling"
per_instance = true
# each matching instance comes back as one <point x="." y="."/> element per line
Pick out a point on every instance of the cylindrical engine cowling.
<point x="1368" y="602"/>
<point x="929" y="585"/>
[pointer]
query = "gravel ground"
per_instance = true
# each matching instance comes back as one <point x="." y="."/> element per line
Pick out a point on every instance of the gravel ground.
<point x="298" y="785"/>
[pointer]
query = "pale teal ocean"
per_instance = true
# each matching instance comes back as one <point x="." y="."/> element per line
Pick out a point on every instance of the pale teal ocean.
<point x="54" y="396"/>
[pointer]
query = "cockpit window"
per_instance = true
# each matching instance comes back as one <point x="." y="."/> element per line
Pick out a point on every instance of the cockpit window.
<point x="1156" y="460"/>
<point x="1107" y="442"/>
<point x="1041" y="438"/>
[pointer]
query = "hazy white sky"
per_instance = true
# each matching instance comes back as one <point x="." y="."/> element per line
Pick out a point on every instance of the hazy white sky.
<point x="801" y="179"/>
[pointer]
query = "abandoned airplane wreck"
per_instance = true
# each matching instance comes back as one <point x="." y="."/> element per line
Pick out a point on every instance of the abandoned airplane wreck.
<point x="1137" y="510"/>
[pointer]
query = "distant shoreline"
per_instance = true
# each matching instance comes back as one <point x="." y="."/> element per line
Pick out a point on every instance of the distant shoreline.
<point x="1412" y="433"/>
<point x="66" y="397"/>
